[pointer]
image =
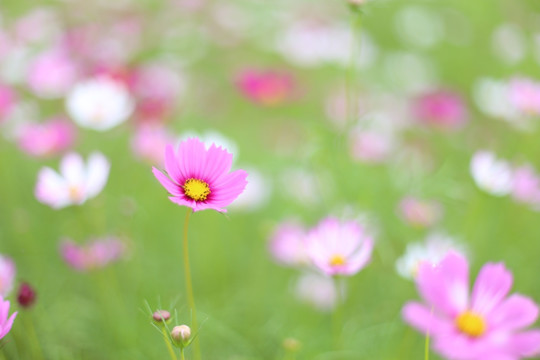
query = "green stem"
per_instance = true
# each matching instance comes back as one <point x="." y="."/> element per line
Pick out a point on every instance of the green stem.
<point x="182" y="357"/>
<point x="36" y="349"/>
<point x="189" y="289"/>
<point x="426" y="350"/>
<point x="337" y="318"/>
<point x="168" y="343"/>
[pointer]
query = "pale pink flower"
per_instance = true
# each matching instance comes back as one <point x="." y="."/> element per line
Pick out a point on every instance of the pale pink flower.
<point x="486" y="325"/>
<point x="338" y="248"/>
<point x="267" y="88"/>
<point x="526" y="185"/>
<point x="525" y="95"/>
<point x="7" y="275"/>
<point x="8" y="98"/>
<point x="419" y="213"/>
<point x="5" y="322"/>
<point x="287" y="244"/>
<point x="199" y="177"/>
<point x="149" y="143"/>
<point x="442" y="109"/>
<point x="52" y="74"/>
<point x="48" y="138"/>
<point x="95" y="254"/>
<point x="371" y="146"/>
<point x="491" y="174"/>
<point x="76" y="183"/>
<point x="317" y="290"/>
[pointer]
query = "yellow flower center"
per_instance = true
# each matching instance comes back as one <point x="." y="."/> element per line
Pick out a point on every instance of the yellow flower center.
<point x="471" y="323"/>
<point x="196" y="189"/>
<point x="75" y="193"/>
<point x="337" y="260"/>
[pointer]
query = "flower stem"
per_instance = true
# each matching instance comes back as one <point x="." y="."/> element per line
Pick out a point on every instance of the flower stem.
<point x="182" y="357"/>
<point x="337" y="318"/>
<point x="426" y="350"/>
<point x="168" y="343"/>
<point x="189" y="289"/>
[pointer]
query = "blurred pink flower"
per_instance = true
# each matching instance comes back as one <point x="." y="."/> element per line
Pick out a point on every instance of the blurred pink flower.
<point x="199" y="177"/>
<point x="526" y="185"/>
<point x="8" y="99"/>
<point x="149" y="143"/>
<point x="371" y="146"/>
<point x="287" y="244"/>
<point x="267" y="88"/>
<point x="525" y="95"/>
<point x="339" y="248"/>
<point x="5" y="322"/>
<point x="442" y="109"/>
<point x="491" y="174"/>
<point x="95" y="254"/>
<point x="49" y="138"/>
<point x="486" y="325"/>
<point x="52" y="74"/>
<point x="420" y="213"/>
<point x="76" y="183"/>
<point x="7" y="275"/>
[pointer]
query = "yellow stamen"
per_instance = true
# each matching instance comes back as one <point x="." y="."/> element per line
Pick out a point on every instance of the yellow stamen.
<point x="337" y="260"/>
<point x="471" y="323"/>
<point x="196" y="189"/>
<point x="75" y="193"/>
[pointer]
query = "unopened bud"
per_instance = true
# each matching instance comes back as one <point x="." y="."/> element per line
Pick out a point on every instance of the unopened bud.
<point x="26" y="296"/>
<point x="355" y="5"/>
<point x="291" y="345"/>
<point x="181" y="335"/>
<point x="161" y="316"/>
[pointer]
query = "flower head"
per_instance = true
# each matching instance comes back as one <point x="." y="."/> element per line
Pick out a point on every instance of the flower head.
<point x="339" y="248"/>
<point x="76" y="183"/>
<point x="199" y="177"/>
<point x="7" y="275"/>
<point x="48" y="138"/>
<point x="26" y="296"/>
<point x="287" y="244"/>
<point x="95" y="254"/>
<point x="266" y="87"/>
<point x="420" y="213"/>
<point x="5" y="322"/>
<point x="490" y="174"/>
<point x="443" y="109"/>
<point x="485" y="325"/>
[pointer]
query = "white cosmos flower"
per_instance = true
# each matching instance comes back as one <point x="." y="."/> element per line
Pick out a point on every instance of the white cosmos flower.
<point x="99" y="103"/>
<point x="76" y="182"/>
<point x="490" y="174"/>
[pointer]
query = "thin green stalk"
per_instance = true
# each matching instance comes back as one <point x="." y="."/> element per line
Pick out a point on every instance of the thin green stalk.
<point x="426" y="350"/>
<point x="337" y="318"/>
<point x="189" y="289"/>
<point x="182" y="357"/>
<point x="168" y="343"/>
<point x="36" y="350"/>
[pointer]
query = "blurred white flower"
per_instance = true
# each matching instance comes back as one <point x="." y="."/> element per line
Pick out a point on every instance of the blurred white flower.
<point x="256" y="193"/>
<point x="76" y="183"/>
<point x="490" y="174"/>
<point x="508" y="43"/>
<point x="432" y="250"/>
<point x="213" y="137"/>
<point x="317" y="290"/>
<point x="99" y="103"/>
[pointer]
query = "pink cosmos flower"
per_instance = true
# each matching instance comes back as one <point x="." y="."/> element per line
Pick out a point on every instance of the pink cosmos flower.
<point x="339" y="248"/>
<point x="49" y="138"/>
<point x="525" y="95"/>
<point x="419" y="213"/>
<point x="149" y="143"/>
<point x="287" y="244"/>
<point x="526" y="185"/>
<point x="267" y="88"/>
<point x="487" y="325"/>
<point x="96" y="254"/>
<point x="5" y="322"/>
<point x="199" y="178"/>
<point x="371" y="146"/>
<point x="76" y="183"/>
<point x="7" y="275"/>
<point x="443" y="109"/>
<point x="7" y="101"/>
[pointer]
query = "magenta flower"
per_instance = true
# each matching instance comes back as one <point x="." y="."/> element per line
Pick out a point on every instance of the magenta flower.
<point x="96" y="254"/>
<point x="199" y="178"/>
<point x="339" y="248"/>
<point x="266" y="87"/>
<point x="7" y="275"/>
<point x="149" y="143"/>
<point x="442" y="109"/>
<point x="5" y="322"/>
<point x="46" y="139"/>
<point x="487" y="325"/>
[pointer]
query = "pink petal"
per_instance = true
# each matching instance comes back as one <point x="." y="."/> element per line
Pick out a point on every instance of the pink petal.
<point x="525" y="343"/>
<point x="424" y="319"/>
<point x="171" y="165"/>
<point x="361" y="258"/>
<point x="514" y="313"/>
<point x="229" y="187"/>
<point x="445" y="286"/>
<point x="171" y="187"/>
<point x="218" y="163"/>
<point x="492" y="285"/>
<point x="191" y="158"/>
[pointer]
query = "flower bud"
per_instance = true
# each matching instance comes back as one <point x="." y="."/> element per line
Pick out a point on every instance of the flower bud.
<point x="26" y="296"/>
<point x="181" y="335"/>
<point x="291" y="345"/>
<point x="161" y="316"/>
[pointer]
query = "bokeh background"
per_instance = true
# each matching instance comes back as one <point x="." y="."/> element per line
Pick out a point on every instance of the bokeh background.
<point x="272" y="80"/>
